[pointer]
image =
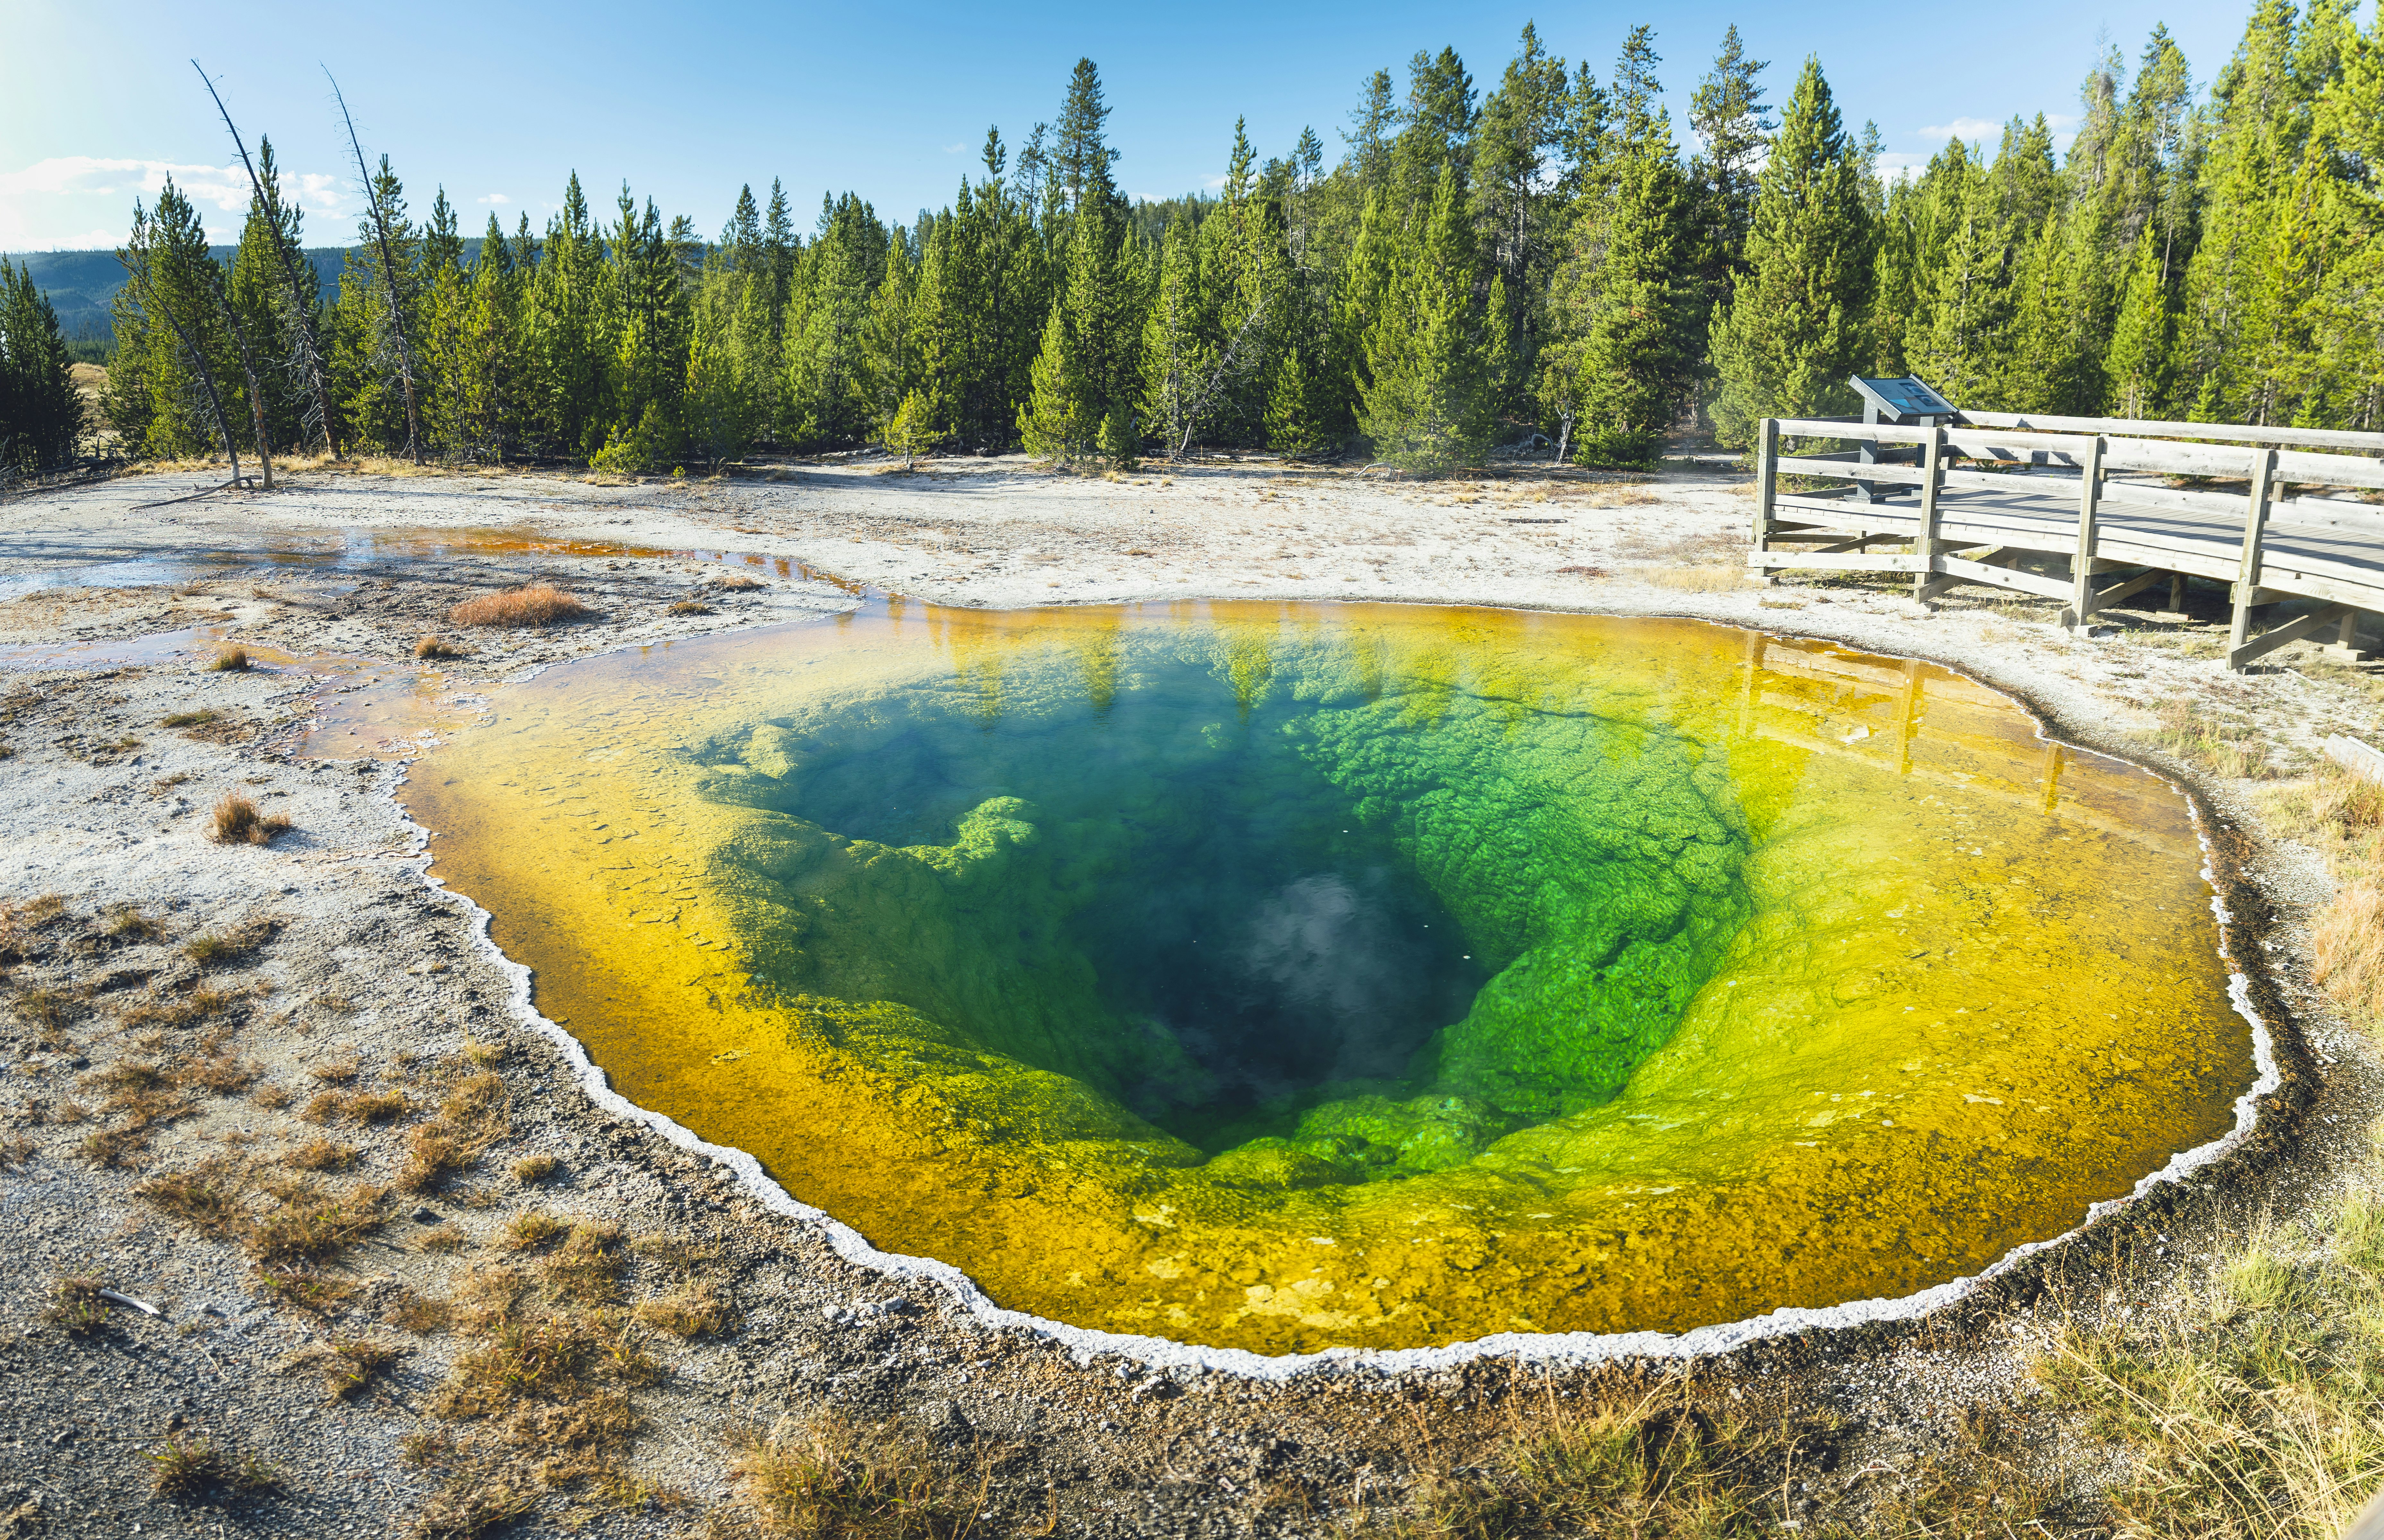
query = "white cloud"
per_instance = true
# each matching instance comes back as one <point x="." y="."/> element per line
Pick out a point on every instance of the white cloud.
<point x="73" y="201"/>
<point x="955" y="149"/>
<point x="493" y="198"/>
<point x="1965" y="129"/>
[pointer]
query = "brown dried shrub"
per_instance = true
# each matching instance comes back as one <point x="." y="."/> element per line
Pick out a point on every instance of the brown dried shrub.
<point x="539" y="604"/>
<point x="238" y="822"/>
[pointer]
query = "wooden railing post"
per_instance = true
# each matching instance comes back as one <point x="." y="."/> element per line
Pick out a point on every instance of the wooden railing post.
<point x="1932" y="479"/>
<point x="2081" y="566"/>
<point x="1767" y="485"/>
<point x="2255" y="524"/>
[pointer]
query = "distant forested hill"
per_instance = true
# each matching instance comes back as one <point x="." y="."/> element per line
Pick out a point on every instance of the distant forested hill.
<point x="81" y="284"/>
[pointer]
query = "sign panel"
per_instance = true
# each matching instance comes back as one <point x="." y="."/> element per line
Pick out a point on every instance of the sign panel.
<point x="1904" y="396"/>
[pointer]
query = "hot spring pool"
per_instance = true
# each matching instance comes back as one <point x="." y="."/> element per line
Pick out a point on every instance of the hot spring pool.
<point x="1290" y="976"/>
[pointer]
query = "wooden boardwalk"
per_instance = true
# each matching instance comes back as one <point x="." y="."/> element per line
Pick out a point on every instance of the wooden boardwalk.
<point x="2089" y="511"/>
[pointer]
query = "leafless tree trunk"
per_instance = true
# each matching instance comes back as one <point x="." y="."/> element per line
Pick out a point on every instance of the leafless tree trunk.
<point x="1217" y="375"/>
<point x="387" y="277"/>
<point x="248" y="366"/>
<point x="310" y="353"/>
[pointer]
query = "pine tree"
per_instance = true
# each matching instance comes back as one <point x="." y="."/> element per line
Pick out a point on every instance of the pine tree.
<point x="1426" y="404"/>
<point x="1729" y="120"/>
<point x="41" y="412"/>
<point x="2137" y="367"/>
<point x="827" y="399"/>
<point x="372" y="366"/>
<point x="1793" y="330"/>
<point x="1958" y="333"/>
<point x="259" y="289"/>
<point x="1050" y="421"/>
<point x="1082" y="157"/>
<point x="1625" y="304"/>
<point x="563" y="324"/>
<point x="1178" y="340"/>
<point x="170" y="345"/>
<point x="1436" y="126"/>
<point x="651" y="326"/>
<point x="1522" y="124"/>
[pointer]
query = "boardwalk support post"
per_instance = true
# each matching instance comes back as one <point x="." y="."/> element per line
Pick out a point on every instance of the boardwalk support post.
<point x="2081" y="566"/>
<point x="1932" y="481"/>
<point x="1767" y="487"/>
<point x="2247" y="579"/>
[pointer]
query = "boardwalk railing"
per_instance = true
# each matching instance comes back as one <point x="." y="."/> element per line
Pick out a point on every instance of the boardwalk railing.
<point x="2087" y="510"/>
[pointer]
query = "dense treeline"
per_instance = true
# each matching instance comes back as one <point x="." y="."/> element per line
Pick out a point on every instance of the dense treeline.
<point x="1478" y="265"/>
<point x="41" y="413"/>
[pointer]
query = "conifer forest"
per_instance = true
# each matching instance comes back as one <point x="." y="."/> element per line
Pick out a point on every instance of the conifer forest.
<point x="1478" y="261"/>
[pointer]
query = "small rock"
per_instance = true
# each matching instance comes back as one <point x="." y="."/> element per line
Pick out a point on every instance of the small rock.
<point x="943" y="1419"/>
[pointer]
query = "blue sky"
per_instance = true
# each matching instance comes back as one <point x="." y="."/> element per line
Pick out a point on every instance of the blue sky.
<point x="499" y="101"/>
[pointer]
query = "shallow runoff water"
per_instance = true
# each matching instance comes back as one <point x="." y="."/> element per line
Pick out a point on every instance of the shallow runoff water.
<point x="1285" y="976"/>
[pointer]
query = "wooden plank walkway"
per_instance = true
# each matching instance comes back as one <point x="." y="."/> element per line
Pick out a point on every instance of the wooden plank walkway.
<point x="2090" y="518"/>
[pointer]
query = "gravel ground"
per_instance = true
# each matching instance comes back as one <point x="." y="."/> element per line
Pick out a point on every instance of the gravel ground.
<point x="266" y="999"/>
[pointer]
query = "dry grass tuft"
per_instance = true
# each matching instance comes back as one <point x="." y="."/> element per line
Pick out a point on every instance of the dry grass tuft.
<point x="341" y="1071"/>
<point x="224" y="948"/>
<point x="206" y="1198"/>
<point x="433" y="1154"/>
<point x="479" y="1499"/>
<point x="1700" y="580"/>
<point x="691" y="607"/>
<point x="692" y="1309"/>
<point x="199" y="1468"/>
<point x="431" y="648"/>
<point x="585" y="1270"/>
<point x="313" y="1227"/>
<point x="484" y="1055"/>
<point x="75" y="1305"/>
<point x="237" y="821"/>
<point x="2347" y="949"/>
<point x="473" y="1116"/>
<point x="228" y="660"/>
<point x="321" y="1154"/>
<point x="532" y="1170"/>
<point x="366" y="1107"/>
<point x="534" y="604"/>
<point x="444" y="1240"/>
<point x="737" y="582"/>
<point x="130" y="925"/>
<point x="348" y="1368"/>
<point x="50" y="1011"/>
<point x="418" y="1313"/>
<point x="198" y="1005"/>
<point x="2211" y="733"/>
<point x="535" y="1228"/>
<point x="2246" y="1407"/>
<point x="830" y="1478"/>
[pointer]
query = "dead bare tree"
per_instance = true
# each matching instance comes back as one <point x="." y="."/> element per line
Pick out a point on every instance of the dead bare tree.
<point x="1228" y="363"/>
<point x="248" y="366"/>
<point x="308" y="359"/>
<point x="144" y="277"/>
<point x="388" y="275"/>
